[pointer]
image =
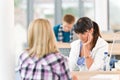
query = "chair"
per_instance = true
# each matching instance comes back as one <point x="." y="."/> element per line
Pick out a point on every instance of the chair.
<point x="64" y="51"/>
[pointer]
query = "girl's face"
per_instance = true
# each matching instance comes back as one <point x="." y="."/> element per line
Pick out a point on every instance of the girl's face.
<point x="84" y="36"/>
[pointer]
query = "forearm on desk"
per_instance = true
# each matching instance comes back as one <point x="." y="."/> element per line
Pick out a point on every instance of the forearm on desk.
<point x="88" y="58"/>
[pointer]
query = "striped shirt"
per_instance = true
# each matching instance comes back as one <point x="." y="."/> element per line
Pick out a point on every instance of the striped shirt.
<point x="50" y="67"/>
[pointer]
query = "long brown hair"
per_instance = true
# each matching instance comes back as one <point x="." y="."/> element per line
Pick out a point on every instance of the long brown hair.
<point x="96" y="32"/>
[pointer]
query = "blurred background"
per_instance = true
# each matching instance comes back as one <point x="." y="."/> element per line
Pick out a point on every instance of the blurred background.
<point x="15" y="16"/>
<point x="105" y="12"/>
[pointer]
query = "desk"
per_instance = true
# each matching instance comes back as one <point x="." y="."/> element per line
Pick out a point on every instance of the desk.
<point x="63" y="45"/>
<point x="115" y="49"/>
<point x="110" y="36"/>
<point x="88" y="75"/>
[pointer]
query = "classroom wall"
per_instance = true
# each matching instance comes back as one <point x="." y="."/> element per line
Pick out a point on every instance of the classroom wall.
<point x="7" y="46"/>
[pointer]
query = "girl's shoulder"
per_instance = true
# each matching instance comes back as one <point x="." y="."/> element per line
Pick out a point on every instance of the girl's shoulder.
<point x="100" y="43"/>
<point x="24" y="55"/>
<point x="101" y="40"/>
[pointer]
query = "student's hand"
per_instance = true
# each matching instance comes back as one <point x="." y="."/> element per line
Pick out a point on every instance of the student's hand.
<point x="87" y="45"/>
<point x="90" y="38"/>
<point x="74" y="77"/>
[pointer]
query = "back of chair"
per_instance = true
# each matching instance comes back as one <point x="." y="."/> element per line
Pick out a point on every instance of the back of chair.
<point x="64" y="51"/>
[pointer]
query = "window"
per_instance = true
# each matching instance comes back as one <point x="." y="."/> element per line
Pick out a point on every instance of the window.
<point x="70" y="7"/>
<point x="44" y="9"/>
<point x="114" y="9"/>
<point x="89" y="8"/>
<point x="20" y="13"/>
<point x="20" y="26"/>
<point x="78" y="8"/>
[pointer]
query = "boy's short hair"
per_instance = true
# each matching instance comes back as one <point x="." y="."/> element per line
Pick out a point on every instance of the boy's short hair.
<point x="69" y="18"/>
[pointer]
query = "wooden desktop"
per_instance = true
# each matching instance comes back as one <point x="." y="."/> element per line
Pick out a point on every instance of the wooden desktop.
<point x="110" y="36"/>
<point x="87" y="75"/>
<point x="115" y="49"/>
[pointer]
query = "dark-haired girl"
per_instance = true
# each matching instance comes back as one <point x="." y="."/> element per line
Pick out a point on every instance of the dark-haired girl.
<point x="87" y="53"/>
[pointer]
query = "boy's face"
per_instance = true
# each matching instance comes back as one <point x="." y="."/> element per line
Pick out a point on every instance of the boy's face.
<point x="67" y="27"/>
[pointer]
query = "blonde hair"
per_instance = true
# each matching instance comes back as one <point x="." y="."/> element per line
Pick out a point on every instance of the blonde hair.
<point x="41" y="39"/>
